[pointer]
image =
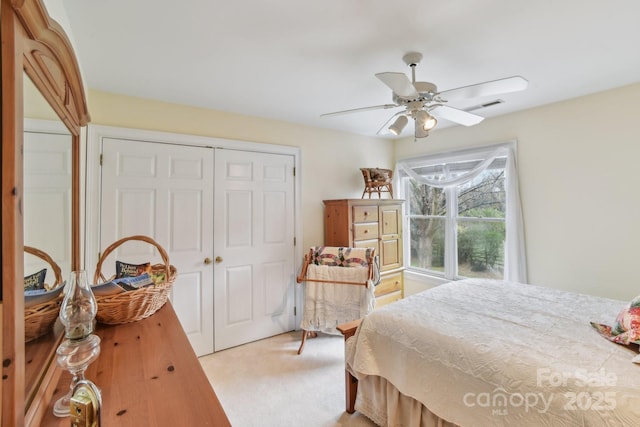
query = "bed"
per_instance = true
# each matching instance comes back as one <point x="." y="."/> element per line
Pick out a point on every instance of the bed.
<point x="482" y="352"/>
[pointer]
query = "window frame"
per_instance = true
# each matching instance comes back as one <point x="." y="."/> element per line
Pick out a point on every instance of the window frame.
<point x="514" y="235"/>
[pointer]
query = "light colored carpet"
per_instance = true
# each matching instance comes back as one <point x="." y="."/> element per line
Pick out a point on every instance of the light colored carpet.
<point x="266" y="384"/>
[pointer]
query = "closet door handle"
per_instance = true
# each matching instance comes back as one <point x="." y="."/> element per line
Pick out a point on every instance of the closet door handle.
<point x="218" y="259"/>
<point x="207" y="260"/>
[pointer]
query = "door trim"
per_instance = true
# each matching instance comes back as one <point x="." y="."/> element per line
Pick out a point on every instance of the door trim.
<point x="97" y="133"/>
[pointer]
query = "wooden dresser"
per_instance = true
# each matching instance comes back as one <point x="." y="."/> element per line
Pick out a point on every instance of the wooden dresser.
<point x="149" y="375"/>
<point x="370" y="223"/>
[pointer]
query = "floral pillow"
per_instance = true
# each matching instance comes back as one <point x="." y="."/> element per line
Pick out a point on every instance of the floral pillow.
<point x="626" y="329"/>
<point x="379" y="174"/>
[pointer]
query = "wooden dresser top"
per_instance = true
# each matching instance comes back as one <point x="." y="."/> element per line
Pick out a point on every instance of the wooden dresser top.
<point x="149" y="375"/>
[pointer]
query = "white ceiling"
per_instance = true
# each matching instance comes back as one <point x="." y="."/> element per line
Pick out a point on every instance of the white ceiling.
<point x="293" y="60"/>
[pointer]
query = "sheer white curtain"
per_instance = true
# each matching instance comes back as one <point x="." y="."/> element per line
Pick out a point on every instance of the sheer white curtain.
<point x="515" y="266"/>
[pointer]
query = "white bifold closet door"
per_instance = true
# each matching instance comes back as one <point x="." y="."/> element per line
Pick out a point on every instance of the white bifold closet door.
<point x="235" y="264"/>
<point x="254" y="246"/>
<point x="47" y="196"/>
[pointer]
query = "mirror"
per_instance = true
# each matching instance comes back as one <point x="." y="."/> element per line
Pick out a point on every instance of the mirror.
<point x="33" y="45"/>
<point x="47" y="154"/>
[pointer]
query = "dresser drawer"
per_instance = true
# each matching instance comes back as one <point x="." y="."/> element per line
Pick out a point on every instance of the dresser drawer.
<point x="365" y="231"/>
<point x="365" y="213"/>
<point x="367" y="244"/>
<point x="388" y="299"/>
<point x="389" y="284"/>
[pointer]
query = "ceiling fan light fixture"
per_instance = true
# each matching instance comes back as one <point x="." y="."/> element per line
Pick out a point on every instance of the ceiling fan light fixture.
<point x="430" y="123"/>
<point x="424" y="120"/>
<point x="397" y="126"/>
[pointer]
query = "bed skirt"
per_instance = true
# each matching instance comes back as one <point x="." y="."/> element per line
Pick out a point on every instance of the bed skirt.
<point x="383" y="404"/>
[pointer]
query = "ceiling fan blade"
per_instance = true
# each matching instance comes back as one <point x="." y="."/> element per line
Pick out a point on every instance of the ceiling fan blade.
<point x="357" y="110"/>
<point x="495" y="87"/>
<point x="455" y="115"/>
<point x="399" y="83"/>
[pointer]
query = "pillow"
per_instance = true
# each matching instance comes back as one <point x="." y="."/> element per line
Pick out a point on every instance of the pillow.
<point x="35" y="281"/>
<point x="124" y="269"/>
<point x="627" y="326"/>
<point x="379" y="174"/>
<point x="626" y="329"/>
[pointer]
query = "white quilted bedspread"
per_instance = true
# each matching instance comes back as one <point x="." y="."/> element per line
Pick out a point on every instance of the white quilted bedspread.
<point x="489" y="353"/>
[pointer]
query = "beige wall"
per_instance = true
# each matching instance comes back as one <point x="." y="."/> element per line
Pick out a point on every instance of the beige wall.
<point x="579" y="173"/>
<point x="35" y="106"/>
<point x="577" y="164"/>
<point x="576" y="161"/>
<point x="331" y="160"/>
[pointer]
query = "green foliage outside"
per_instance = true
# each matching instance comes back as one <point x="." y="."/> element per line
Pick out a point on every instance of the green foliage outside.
<point x="481" y="244"/>
<point x="480" y="241"/>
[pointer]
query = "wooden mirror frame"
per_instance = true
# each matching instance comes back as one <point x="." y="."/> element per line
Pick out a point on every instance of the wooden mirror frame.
<point x="34" y="44"/>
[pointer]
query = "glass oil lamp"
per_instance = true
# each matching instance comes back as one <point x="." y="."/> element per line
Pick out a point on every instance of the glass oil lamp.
<point x="79" y="347"/>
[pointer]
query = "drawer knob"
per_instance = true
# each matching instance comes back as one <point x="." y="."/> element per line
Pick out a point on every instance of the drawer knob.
<point x="366" y="213"/>
<point x="366" y="231"/>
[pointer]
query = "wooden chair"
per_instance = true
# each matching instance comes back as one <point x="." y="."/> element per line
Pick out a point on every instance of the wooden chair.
<point x="378" y="181"/>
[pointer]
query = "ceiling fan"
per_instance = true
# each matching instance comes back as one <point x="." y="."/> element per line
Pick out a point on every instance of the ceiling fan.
<point x="425" y="105"/>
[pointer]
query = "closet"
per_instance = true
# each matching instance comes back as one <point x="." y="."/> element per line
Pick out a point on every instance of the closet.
<point x="224" y="210"/>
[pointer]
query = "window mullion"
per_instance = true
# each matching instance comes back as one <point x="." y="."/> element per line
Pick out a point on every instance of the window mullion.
<point x="405" y="193"/>
<point x="450" y="247"/>
<point x="450" y="250"/>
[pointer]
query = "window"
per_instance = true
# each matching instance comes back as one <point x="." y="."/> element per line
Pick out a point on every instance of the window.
<point x="463" y="214"/>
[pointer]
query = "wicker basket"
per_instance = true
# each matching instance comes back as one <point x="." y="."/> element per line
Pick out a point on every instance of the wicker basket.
<point x="39" y="319"/>
<point x="131" y="306"/>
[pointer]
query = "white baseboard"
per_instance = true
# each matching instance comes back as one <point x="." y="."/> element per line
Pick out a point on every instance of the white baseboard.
<point x="415" y="282"/>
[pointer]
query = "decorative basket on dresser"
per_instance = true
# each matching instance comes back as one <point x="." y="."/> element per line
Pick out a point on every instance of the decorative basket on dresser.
<point x="370" y="223"/>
